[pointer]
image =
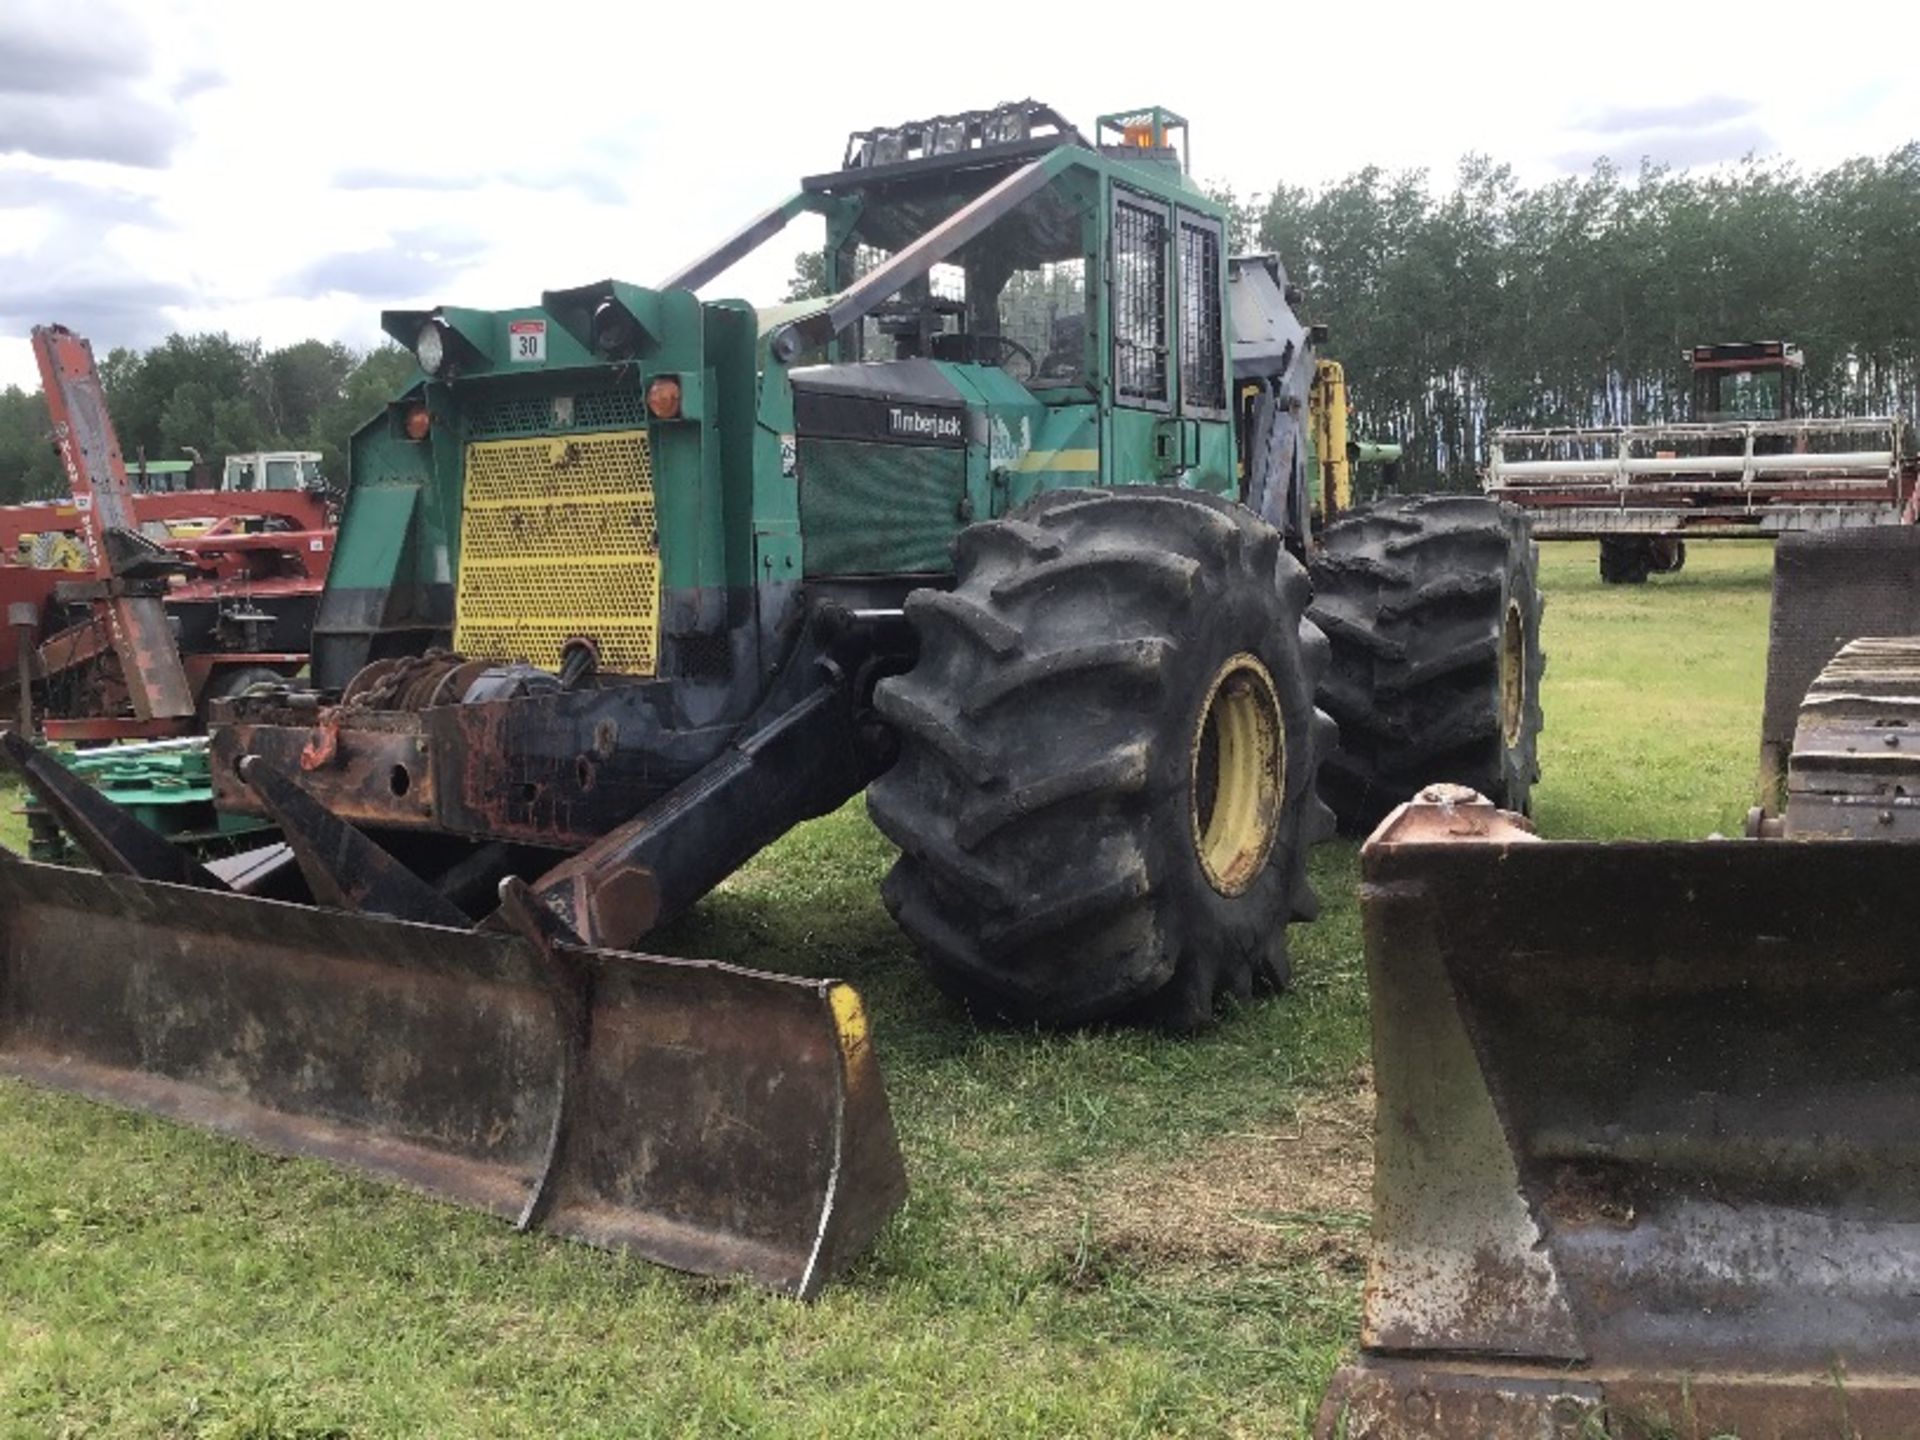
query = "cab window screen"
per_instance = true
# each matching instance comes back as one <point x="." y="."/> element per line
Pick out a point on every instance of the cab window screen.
<point x="1202" y="373"/>
<point x="1139" y="303"/>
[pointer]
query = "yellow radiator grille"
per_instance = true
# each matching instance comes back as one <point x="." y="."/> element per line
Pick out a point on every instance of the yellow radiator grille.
<point x="558" y="538"/>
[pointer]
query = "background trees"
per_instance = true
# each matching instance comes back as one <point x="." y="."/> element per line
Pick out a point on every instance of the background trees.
<point x="1489" y="303"/>
<point x="1455" y="310"/>
<point x="215" y="395"/>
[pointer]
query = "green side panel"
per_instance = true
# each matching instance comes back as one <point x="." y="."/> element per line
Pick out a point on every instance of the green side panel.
<point x="403" y="500"/>
<point x="733" y="386"/>
<point x="1060" y="452"/>
<point x="871" y="509"/>
<point x="1217" y="469"/>
<point x="1205" y="448"/>
<point x="1003" y="414"/>
<point x="373" y="537"/>
<point x="773" y="486"/>
<point x="1130" y="458"/>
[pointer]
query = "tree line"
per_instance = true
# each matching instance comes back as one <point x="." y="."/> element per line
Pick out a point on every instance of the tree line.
<point x="211" y="396"/>
<point x="1491" y="303"/>
<point x="1455" y="310"/>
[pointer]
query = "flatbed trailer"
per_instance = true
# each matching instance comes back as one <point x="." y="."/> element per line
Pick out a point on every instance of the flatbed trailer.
<point x="1725" y="480"/>
<point x="1749" y="465"/>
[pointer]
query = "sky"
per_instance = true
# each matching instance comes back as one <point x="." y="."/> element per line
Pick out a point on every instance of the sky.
<point x="287" y="168"/>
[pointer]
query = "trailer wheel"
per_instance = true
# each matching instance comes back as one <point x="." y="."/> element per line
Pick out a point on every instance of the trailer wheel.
<point x="1626" y="562"/>
<point x="1105" y="791"/>
<point x="1432" y="605"/>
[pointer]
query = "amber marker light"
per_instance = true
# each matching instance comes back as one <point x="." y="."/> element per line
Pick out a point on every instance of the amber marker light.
<point x="663" y="398"/>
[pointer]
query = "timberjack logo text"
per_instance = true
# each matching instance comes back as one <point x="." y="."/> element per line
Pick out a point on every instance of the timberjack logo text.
<point x="923" y="424"/>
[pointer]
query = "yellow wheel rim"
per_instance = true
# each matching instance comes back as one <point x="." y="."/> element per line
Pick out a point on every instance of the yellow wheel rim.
<point x="1513" y="674"/>
<point x="1239" y="754"/>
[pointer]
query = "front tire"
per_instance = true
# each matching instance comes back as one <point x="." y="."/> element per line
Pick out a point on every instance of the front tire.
<point x="1105" y="791"/>
<point x="1432" y="604"/>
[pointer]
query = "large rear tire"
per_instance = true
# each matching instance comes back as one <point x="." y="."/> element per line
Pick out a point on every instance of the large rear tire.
<point x="1432" y="605"/>
<point x="1105" y="791"/>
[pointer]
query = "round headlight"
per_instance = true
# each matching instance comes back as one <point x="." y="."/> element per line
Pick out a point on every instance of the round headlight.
<point x="612" y="329"/>
<point x="431" y="348"/>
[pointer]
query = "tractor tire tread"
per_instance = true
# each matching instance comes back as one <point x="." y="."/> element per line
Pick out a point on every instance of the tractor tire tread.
<point x="1039" y="805"/>
<point x="1413" y="595"/>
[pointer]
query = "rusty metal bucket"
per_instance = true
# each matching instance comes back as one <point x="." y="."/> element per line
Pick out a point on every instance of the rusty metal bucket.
<point x="710" y="1118"/>
<point x="1648" y="1146"/>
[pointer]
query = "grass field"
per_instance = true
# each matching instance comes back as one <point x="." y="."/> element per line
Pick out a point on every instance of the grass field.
<point x="1109" y="1234"/>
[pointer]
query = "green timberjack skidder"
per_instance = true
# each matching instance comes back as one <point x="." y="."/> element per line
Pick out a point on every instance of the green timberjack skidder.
<point x="1007" y="529"/>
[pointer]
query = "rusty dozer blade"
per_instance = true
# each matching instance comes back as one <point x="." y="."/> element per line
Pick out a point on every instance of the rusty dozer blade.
<point x="1646" y="1155"/>
<point x="710" y="1118"/>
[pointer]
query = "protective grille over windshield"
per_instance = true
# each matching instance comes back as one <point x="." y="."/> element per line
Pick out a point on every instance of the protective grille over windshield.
<point x="1014" y="297"/>
<point x="1202" y="372"/>
<point x="1043" y="310"/>
<point x="1139" y="302"/>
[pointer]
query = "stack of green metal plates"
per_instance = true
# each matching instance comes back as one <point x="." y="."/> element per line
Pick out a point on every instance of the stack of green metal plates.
<point x="167" y="784"/>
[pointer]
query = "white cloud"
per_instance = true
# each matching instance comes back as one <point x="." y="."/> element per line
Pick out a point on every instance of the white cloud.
<point x="89" y="87"/>
<point x="287" y="172"/>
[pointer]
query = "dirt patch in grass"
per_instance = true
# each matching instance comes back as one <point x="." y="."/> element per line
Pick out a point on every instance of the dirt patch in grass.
<point x="1298" y="1190"/>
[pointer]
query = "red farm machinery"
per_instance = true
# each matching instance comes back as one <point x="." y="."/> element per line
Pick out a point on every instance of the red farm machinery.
<point x="130" y="610"/>
<point x="1751" y="464"/>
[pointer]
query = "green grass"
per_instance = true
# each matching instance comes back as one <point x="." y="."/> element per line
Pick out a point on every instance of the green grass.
<point x="157" y="1282"/>
<point x="1653" y="694"/>
<point x="13" y="824"/>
